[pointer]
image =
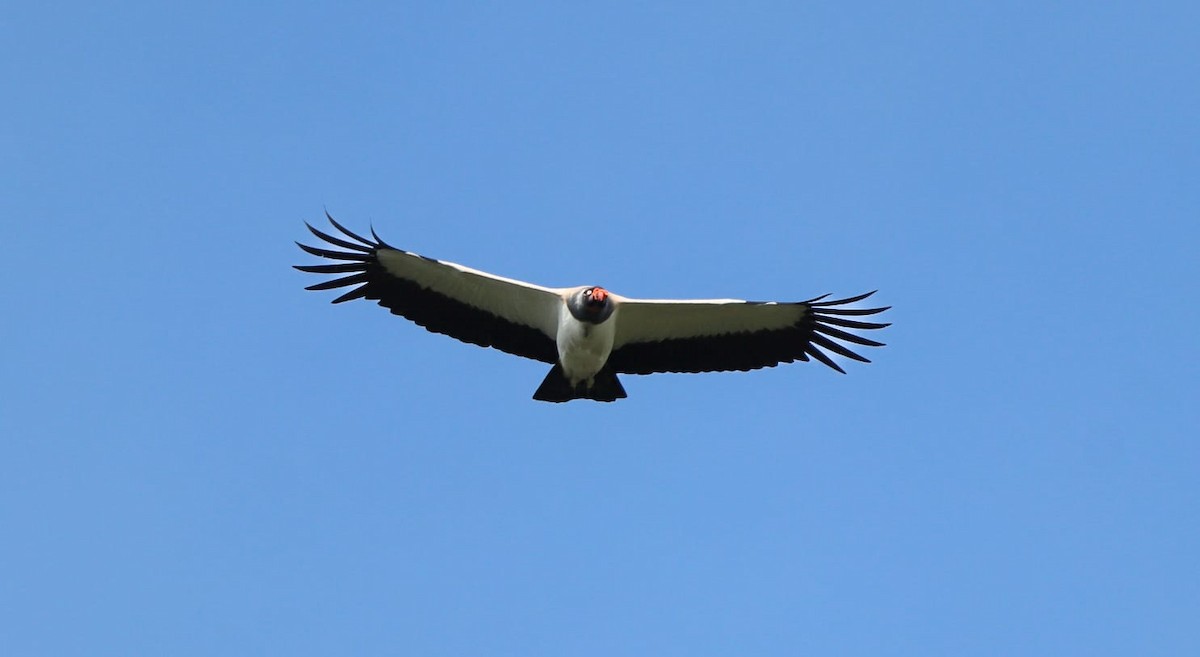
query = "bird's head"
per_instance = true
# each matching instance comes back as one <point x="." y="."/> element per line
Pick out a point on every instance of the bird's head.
<point x="591" y="304"/>
<point x="595" y="298"/>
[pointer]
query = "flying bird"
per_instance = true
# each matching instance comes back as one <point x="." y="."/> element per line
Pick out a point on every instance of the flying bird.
<point x="588" y="334"/>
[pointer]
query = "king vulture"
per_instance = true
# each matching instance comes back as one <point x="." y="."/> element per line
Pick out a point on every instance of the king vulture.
<point x="588" y="334"/>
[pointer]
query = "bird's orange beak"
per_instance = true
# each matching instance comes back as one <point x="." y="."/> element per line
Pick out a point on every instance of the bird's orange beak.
<point x="599" y="294"/>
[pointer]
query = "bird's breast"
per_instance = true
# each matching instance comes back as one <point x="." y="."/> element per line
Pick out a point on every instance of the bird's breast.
<point x="583" y="347"/>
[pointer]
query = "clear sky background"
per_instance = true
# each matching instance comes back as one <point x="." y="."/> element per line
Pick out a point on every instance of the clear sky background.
<point x="197" y="457"/>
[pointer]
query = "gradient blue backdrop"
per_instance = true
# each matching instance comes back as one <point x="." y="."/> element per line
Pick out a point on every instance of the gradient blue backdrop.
<point x="199" y="458"/>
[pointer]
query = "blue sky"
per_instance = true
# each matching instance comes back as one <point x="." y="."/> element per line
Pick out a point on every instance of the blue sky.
<point x="198" y="457"/>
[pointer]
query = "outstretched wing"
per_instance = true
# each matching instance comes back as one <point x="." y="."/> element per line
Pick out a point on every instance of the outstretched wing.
<point x="463" y="303"/>
<point x="728" y="334"/>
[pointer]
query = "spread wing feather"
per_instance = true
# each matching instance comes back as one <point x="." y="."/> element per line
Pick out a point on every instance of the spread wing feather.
<point x="463" y="303"/>
<point x="727" y="334"/>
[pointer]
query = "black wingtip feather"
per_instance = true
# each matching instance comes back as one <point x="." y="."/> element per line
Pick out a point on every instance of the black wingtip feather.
<point x="844" y="336"/>
<point x="349" y="233"/>
<point x="380" y="241"/>
<point x="333" y="255"/>
<point x="849" y="311"/>
<point x="836" y="348"/>
<point x="356" y="293"/>
<point x="338" y="242"/>
<point x="839" y="302"/>
<point x="820" y="355"/>
<point x="332" y="269"/>
<point x="849" y="323"/>
<point x="340" y="282"/>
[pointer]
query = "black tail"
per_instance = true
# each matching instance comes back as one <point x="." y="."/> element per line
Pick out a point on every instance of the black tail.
<point x="556" y="388"/>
